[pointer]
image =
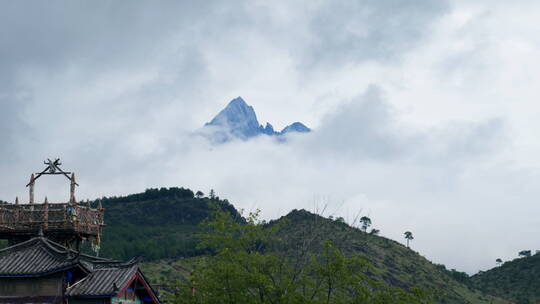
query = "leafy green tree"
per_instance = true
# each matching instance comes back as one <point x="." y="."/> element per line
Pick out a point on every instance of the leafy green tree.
<point x="366" y="222"/>
<point x="212" y="194"/>
<point x="248" y="263"/>
<point x="408" y="237"/>
<point x="524" y="253"/>
<point x="374" y="232"/>
<point x="199" y="194"/>
<point x="498" y="261"/>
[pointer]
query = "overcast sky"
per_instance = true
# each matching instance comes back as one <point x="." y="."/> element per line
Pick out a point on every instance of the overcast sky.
<point x="425" y="113"/>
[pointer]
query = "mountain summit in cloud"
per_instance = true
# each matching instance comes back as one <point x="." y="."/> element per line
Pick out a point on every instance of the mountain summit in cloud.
<point x="238" y="120"/>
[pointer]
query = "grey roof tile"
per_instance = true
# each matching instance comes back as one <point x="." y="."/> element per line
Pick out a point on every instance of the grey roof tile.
<point x="40" y="256"/>
<point x="34" y="258"/>
<point x="103" y="281"/>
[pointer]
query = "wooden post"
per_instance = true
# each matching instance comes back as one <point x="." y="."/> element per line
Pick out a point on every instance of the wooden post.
<point x="31" y="188"/>
<point x="46" y="215"/>
<point x="101" y="212"/>
<point x="72" y="189"/>
<point x="77" y="217"/>
<point x="17" y="211"/>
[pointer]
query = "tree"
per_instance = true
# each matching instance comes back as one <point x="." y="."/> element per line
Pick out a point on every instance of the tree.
<point x="251" y="263"/>
<point x="498" y="261"/>
<point x="374" y="232"/>
<point x="212" y="194"/>
<point x="524" y="253"/>
<point x="366" y="222"/>
<point x="199" y="194"/>
<point x="408" y="237"/>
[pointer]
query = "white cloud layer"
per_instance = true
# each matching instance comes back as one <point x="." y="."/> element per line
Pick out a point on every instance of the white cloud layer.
<point x="425" y="113"/>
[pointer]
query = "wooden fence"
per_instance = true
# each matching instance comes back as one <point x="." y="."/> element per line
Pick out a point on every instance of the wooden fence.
<point x="51" y="217"/>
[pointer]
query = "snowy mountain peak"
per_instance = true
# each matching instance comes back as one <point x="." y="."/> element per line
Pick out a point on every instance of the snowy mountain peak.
<point x="296" y="127"/>
<point x="238" y="120"/>
<point x="269" y="129"/>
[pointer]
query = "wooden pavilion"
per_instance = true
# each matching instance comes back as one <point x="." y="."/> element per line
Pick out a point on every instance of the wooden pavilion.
<point x="43" y="263"/>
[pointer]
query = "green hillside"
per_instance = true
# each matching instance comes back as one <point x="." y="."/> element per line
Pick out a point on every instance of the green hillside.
<point x="517" y="280"/>
<point x="162" y="226"/>
<point x="156" y="224"/>
<point x="392" y="262"/>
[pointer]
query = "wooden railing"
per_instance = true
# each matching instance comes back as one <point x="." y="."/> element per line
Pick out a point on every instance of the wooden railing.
<point x="51" y="217"/>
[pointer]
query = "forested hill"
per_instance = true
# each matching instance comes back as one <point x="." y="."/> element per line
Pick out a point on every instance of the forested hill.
<point x="162" y="226"/>
<point x="156" y="224"/>
<point x="392" y="262"/>
<point x="517" y="280"/>
<point x="303" y="232"/>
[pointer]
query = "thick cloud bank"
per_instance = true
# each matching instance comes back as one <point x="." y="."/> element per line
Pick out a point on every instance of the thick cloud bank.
<point x="424" y="114"/>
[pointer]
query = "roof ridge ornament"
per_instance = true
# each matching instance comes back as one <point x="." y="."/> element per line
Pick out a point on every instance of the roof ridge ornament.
<point x="53" y="168"/>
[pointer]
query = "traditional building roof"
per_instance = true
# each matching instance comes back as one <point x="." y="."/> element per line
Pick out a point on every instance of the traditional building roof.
<point x="103" y="277"/>
<point x="104" y="281"/>
<point x="36" y="257"/>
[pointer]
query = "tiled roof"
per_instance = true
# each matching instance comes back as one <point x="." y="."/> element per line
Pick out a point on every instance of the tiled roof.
<point x="40" y="256"/>
<point x="104" y="281"/>
<point x="34" y="258"/>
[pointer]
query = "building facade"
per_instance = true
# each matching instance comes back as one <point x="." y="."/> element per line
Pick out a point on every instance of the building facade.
<point x="43" y="262"/>
<point x="42" y="271"/>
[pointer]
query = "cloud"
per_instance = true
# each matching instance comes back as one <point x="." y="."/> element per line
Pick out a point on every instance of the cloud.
<point x="361" y="159"/>
<point x="368" y="127"/>
<point x="424" y="112"/>
<point x="361" y="128"/>
<point x="371" y="30"/>
<point x="11" y="126"/>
